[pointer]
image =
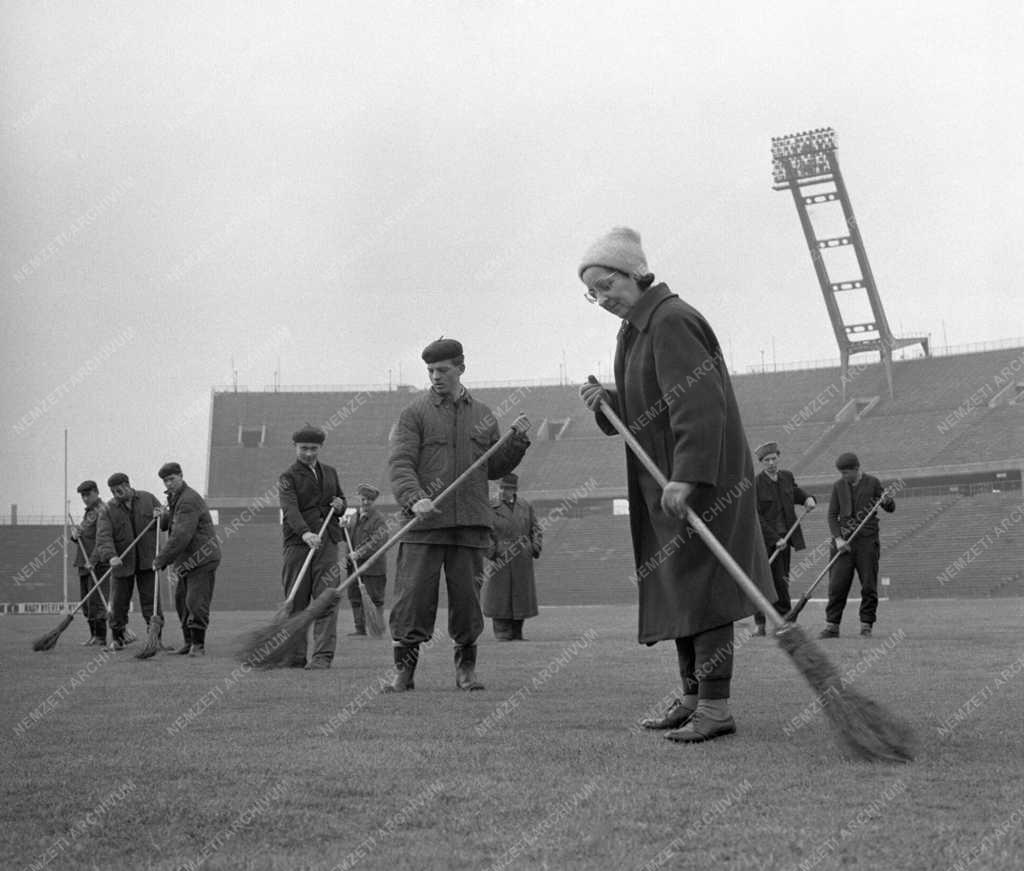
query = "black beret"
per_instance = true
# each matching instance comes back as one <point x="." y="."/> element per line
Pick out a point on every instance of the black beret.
<point x="442" y="349"/>
<point x="309" y="434"/>
<point x="117" y="478"/>
<point x="169" y="469"/>
<point x="368" y="490"/>
<point x="87" y="486"/>
<point x="510" y="480"/>
<point x="847" y="461"/>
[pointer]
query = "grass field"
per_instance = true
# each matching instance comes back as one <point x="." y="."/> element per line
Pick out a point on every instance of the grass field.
<point x="181" y="763"/>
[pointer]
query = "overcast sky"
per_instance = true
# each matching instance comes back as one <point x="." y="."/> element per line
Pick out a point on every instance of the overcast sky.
<point x="334" y="185"/>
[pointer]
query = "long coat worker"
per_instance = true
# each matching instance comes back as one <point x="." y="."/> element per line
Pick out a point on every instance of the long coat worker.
<point x="674" y="393"/>
<point x="509" y="594"/>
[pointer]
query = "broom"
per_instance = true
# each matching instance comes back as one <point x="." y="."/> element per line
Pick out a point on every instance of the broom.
<point x="781" y="546"/>
<point x="256" y="648"/>
<point x="371" y="616"/>
<point x="92" y="571"/>
<point x="153" y="644"/>
<point x="794" y="612"/>
<point x="49" y="640"/>
<point x="862" y="726"/>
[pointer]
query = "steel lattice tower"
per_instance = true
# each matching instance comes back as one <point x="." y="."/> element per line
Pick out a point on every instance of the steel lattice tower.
<point x="808" y="159"/>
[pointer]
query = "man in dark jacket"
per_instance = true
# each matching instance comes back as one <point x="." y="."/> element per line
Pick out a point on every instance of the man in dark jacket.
<point x="122" y="519"/>
<point x="194" y="551"/>
<point x="307" y="492"/>
<point x="509" y="594"/>
<point x="88" y="568"/>
<point x="368" y="531"/>
<point x="777" y="495"/>
<point x="437" y="438"/>
<point x="674" y="393"/>
<point x="853" y="497"/>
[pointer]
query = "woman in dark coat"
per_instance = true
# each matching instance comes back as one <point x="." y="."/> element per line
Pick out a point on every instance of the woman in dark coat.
<point x="672" y="390"/>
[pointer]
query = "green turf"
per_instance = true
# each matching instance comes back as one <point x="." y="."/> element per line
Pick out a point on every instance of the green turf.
<point x="277" y="772"/>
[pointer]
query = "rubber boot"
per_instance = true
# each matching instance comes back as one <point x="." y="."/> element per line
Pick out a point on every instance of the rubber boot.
<point x="465" y="668"/>
<point x="198" y="637"/>
<point x="358" y="619"/>
<point x="406" y="658"/>
<point x="187" y="646"/>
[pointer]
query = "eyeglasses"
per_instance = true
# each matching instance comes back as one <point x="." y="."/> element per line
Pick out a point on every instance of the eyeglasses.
<point x="602" y="285"/>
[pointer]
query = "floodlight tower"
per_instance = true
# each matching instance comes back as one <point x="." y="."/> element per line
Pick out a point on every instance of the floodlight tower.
<point x="808" y="159"/>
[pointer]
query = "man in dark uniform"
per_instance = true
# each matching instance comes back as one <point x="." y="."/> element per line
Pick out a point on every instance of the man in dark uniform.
<point x="85" y="561"/>
<point x="307" y="492"/>
<point x="437" y="438"/>
<point x="368" y="531"/>
<point x="777" y="495"/>
<point x="192" y="548"/>
<point x="853" y="496"/>
<point x="121" y="520"/>
<point x="509" y="594"/>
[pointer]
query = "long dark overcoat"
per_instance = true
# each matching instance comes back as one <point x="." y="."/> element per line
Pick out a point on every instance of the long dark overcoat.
<point x="673" y="391"/>
<point x="510" y="591"/>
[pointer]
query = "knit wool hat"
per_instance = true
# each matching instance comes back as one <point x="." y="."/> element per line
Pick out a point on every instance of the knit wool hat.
<point x="619" y="250"/>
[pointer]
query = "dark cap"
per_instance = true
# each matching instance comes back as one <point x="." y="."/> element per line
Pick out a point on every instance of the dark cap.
<point x="847" y="461"/>
<point x="442" y="349"/>
<point x="510" y="480"/>
<point x="368" y="490"/>
<point x="762" y="451"/>
<point x="87" y="486"/>
<point x="117" y="478"/>
<point x="309" y="434"/>
<point x="169" y="469"/>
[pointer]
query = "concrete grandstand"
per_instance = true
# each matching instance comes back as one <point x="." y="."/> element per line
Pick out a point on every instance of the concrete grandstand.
<point x="953" y="437"/>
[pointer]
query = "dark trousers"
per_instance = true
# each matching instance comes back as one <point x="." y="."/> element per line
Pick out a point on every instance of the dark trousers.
<point x="192" y="597"/>
<point x="705" y="662"/>
<point x="862" y="558"/>
<point x="780" y="577"/>
<point x="375" y="585"/>
<point x="121" y="597"/>
<point x="322" y="573"/>
<point x="94" y="610"/>
<point x="416" y="586"/>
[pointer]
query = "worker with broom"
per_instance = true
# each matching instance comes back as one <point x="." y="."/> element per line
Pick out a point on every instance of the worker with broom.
<point x="194" y="551"/>
<point x="86" y="563"/>
<point x="853" y="499"/>
<point x="777" y="495"/>
<point x="439" y="436"/>
<point x="673" y="392"/>
<point x="308" y="491"/>
<point x="368" y="530"/>
<point x="120" y="522"/>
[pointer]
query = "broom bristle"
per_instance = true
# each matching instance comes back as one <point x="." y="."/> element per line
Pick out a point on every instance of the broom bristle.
<point x="49" y="640"/>
<point x="276" y="644"/>
<point x="373" y="618"/>
<point x="153" y="643"/>
<point x="863" y="727"/>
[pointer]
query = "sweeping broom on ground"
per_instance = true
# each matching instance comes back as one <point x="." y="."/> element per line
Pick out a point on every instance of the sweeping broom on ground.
<point x="153" y="643"/>
<point x="49" y="640"/>
<point x="372" y="618"/>
<point x="273" y="646"/>
<point x="92" y="572"/>
<point x="862" y="726"/>
<point x="781" y="546"/>
<point x="794" y="612"/>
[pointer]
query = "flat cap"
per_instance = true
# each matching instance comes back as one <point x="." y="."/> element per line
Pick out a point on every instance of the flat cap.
<point x="762" y="451"/>
<point x="87" y="486"/>
<point x="308" y="435"/>
<point x="510" y="480"/>
<point x="847" y="461"/>
<point x="117" y="478"/>
<point x="368" y="490"/>
<point x="442" y="349"/>
<point x="171" y="468"/>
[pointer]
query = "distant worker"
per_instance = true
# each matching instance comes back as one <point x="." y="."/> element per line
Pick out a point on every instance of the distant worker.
<point x="509" y="594"/>
<point x="308" y="490"/>
<point x="88" y="566"/>
<point x="853" y="496"/>
<point x="777" y="496"/>
<point x="194" y="551"/>
<point x="368" y="531"/>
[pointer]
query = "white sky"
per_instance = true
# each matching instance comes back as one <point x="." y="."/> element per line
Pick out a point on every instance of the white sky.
<point x="337" y="184"/>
